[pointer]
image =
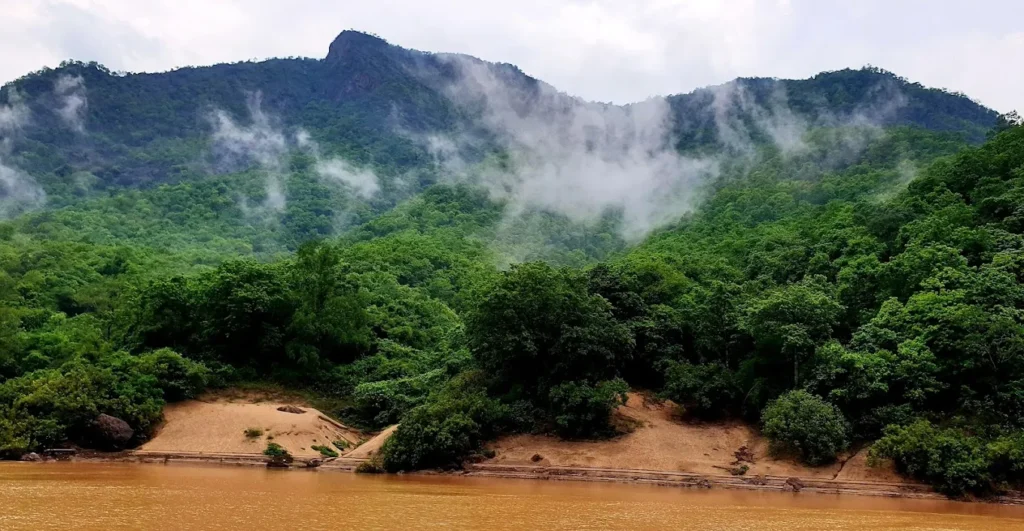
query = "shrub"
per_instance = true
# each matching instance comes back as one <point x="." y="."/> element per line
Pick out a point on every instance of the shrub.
<point x="442" y="432"/>
<point x="952" y="461"/>
<point x="180" y="378"/>
<point x="253" y="433"/>
<point x="583" y="410"/>
<point x="276" y="451"/>
<point x="706" y="391"/>
<point x="325" y="451"/>
<point x="383" y="403"/>
<point x="341" y="444"/>
<point x="51" y="406"/>
<point x="371" y="466"/>
<point x="1006" y="457"/>
<point x="805" y="425"/>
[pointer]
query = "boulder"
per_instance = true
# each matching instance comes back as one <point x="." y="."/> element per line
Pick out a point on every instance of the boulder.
<point x="537" y="458"/>
<point x="291" y="409"/>
<point x="793" y="484"/>
<point x="31" y="457"/>
<point x="314" y="463"/>
<point x="111" y="433"/>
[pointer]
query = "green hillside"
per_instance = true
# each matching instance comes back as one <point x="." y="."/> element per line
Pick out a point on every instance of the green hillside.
<point x="839" y="269"/>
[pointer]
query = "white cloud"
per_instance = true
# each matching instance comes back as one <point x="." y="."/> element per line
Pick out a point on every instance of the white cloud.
<point x="70" y="92"/>
<point x="601" y="50"/>
<point x="18" y="190"/>
<point x="260" y="141"/>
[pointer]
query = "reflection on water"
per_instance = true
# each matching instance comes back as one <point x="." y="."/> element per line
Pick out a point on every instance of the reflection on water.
<point x="132" y="496"/>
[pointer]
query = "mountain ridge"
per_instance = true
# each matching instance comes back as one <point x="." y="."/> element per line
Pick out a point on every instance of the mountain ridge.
<point x="365" y="89"/>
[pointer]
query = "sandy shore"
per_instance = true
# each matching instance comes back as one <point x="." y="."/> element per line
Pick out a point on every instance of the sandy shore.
<point x="218" y="424"/>
<point x="658" y="449"/>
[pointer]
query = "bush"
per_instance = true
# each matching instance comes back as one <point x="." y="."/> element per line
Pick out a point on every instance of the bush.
<point x="1006" y="457"/>
<point x="325" y="451"/>
<point x="446" y="429"/>
<point x="276" y="451"/>
<point x="952" y="461"/>
<point x="253" y="433"/>
<point x="52" y="406"/>
<point x="805" y="425"/>
<point x="707" y="391"/>
<point x="341" y="445"/>
<point x="583" y="410"/>
<point x="371" y="466"/>
<point x="383" y="403"/>
<point x="180" y="378"/>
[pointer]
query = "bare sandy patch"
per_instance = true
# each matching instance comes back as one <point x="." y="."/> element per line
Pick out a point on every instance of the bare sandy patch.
<point x="662" y="442"/>
<point x="372" y="446"/>
<point x="216" y="424"/>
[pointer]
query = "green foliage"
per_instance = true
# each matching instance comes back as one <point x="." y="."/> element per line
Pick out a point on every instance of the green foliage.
<point x="951" y="460"/>
<point x="276" y="451"/>
<point x="805" y="425"/>
<point x="707" y="391"/>
<point x="787" y="322"/>
<point x="178" y="377"/>
<point x="371" y="466"/>
<point x="446" y="429"/>
<point x="47" y="407"/>
<point x="880" y="269"/>
<point x="253" y="433"/>
<point x="581" y="409"/>
<point x="325" y="451"/>
<point x="540" y="327"/>
<point x="384" y="402"/>
<point x="541" y="333"/>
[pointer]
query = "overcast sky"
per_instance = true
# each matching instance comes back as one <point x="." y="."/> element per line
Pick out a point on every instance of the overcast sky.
<point x="605" y="50"/>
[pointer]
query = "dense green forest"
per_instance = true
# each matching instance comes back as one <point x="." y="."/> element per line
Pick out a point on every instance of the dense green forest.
<point x="832" y="296"/>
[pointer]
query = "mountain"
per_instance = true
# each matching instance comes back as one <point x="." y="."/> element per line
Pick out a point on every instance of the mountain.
<point x="367" y="99"/>
<point x="450" y="245"/>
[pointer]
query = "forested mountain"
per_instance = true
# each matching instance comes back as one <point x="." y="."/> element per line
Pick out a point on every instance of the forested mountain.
<point x="142" y="129"/>
<point x="449" y="243"/>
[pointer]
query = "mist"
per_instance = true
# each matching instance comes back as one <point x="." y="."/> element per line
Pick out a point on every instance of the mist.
<point x="584" y="160"/>
<point x="261" y="142"/>
<point x="361" y="181"/>
<point x="72" y="101"/>
<point x="269" y="145"/>
<point x="19" y="192"/>
<point x="571" y="157"/>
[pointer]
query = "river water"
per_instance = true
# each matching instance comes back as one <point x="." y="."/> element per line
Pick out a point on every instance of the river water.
<point x="111" y="496"/>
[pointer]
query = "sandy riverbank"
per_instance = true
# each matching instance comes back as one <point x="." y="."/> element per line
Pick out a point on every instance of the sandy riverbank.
<point x="659" y="449"/>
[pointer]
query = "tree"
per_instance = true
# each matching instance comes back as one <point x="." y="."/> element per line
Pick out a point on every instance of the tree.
<point x="329" y="322"/>
<point x="581" y="409"/>
<point x="707" y="390"/>
<point x="789" y="321"/>
<point x="540" y="327"/>
<point x="805" y="425"/>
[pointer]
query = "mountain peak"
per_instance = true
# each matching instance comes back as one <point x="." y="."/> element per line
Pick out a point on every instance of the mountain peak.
<point x="349" y="40"/>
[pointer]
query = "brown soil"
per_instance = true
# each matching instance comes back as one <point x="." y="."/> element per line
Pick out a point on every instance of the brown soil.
<point x="660" y="441"/>
<point x="216" y="424"/>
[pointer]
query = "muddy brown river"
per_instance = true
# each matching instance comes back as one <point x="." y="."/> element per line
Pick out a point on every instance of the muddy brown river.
<point x="135" y="496"/>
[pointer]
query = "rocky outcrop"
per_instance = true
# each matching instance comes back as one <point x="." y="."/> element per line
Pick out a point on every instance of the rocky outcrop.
<point x="31" y="457"/>
<point x="291" y="409"/>
<point x="111" y="433"/>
